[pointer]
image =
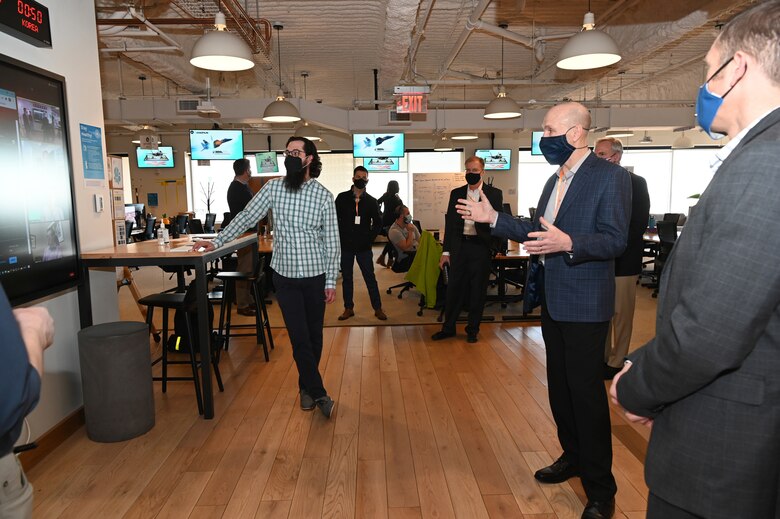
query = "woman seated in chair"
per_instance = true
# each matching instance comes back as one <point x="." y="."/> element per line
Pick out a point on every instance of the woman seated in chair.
<point x="405" y="237"/>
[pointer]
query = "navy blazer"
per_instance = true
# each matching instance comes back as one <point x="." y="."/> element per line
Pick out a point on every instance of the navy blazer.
<point x="453" y="226"/>
<point x="580" y="287"/>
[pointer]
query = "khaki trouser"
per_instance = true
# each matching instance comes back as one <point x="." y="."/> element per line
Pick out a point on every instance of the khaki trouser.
<point x="622" y="323"/>
<point x="15" y="491"/>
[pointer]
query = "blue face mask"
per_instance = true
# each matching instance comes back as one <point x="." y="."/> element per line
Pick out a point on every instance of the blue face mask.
<point x="556" y="149"/>
<point x="708" y="104"/>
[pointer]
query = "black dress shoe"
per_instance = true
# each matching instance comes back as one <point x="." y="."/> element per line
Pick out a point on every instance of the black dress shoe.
<point x="610" y="372"/>
<point x="471" y="338"/>
<point x="442" y="335"/>
<point x="558" y="472"/>
<point x="599" y="510"/>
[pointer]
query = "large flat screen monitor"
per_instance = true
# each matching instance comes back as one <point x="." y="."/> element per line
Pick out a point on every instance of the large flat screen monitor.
<point x="162" y="157"/>
<point x="267" y="162"/>
<point x="536" y="137"/>
<point x="217" y="144"/>
<point x="377" y="145"/>
<point x="38" y="242"/>
<point x="495" y="160"/>
<point x="382" y="164"/>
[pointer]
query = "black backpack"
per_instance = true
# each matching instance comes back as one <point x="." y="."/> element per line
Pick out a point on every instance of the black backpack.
<point x="179" y="341"/>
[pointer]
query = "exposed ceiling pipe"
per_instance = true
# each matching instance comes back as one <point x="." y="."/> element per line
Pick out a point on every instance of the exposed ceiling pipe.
<point x="412" y="55"/>
<point x="125" y="48"/>
<point x="114" y="29"/>
<point x="483" y="81"/>
<point x="654" y="75"/>
<point x="513" y="36"/>
<point x="464" y="35"/>
<point x="167" y="39"/>
<point x="601" y="103"/>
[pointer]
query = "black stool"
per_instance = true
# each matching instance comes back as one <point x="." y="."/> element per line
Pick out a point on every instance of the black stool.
<point x="262" y="323"/>
<point x="178" y="301"/>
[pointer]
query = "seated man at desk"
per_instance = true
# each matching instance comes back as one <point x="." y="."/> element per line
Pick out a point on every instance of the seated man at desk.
<point x="405" y="237"/>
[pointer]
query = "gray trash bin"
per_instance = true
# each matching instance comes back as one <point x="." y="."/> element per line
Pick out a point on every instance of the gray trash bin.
<point x="116" y="376"/>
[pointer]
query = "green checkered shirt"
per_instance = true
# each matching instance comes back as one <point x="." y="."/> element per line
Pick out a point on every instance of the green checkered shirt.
<point x="306" y="232"/>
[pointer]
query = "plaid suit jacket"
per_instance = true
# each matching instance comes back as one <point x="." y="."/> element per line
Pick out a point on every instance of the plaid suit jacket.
<point x="710" y="376"/>
<point x="595" y="213"/>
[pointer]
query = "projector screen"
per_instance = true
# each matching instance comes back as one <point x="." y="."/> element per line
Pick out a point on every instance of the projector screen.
<point x="377" y="145"/>
<point x="38" y="242"/>
<point x="162" y="157"/>
<point x="217" y="144"/>
<point x="495" y="160"/>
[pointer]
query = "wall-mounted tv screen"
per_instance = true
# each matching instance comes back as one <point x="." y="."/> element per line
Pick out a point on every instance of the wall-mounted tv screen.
<point x="495" y="160"/>
<point x="38" y="242"/>
<point x="377" y="145"/>
<point x="162" y="157"/>
<point x="217" y="144"/>
<point x="382" y="164"/>
<point x="267" y="162"/>
<point x="536" y="137"/>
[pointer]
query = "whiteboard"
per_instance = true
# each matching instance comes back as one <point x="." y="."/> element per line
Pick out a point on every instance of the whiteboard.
<point x="431" y="196"/>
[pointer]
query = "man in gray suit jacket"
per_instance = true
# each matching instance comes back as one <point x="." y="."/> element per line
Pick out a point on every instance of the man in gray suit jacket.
<point x="708" y="382"/>
<point x="580" y="226"/>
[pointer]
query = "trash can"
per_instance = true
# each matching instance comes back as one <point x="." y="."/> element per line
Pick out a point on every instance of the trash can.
<point x="116" y="378"/>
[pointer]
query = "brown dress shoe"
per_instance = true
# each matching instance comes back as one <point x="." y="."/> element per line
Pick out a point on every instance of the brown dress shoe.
<point x="247" y="310"/>
<point x="348" y="312"/>
<point x="380" y="314"/>
<point x="381" y="261"/>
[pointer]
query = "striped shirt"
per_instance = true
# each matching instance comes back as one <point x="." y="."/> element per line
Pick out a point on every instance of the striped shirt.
<point x="306" y="233"/>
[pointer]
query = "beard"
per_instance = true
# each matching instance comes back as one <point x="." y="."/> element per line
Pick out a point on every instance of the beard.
<point x="294" y="179"/>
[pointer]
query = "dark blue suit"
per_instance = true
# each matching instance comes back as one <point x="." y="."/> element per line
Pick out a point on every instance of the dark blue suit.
<point x="577" y="293"/>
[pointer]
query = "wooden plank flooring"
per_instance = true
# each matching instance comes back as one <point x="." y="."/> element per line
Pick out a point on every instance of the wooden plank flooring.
<point x="421" y="429"/>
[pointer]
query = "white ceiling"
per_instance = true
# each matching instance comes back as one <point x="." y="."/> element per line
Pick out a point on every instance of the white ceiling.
<point x="340" y="42"/>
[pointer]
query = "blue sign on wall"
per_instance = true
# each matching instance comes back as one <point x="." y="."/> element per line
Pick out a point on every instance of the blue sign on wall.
<point x="92" y="152"/>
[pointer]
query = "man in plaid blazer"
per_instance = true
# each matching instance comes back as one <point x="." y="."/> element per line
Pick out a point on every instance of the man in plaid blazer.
<point x="580" y="226"/>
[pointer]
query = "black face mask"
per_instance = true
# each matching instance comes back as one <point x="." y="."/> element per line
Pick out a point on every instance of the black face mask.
<point x="360" y="183"/>
<point x="473" y="178"/>
<point x="556" y="149"/>
<point x="295" y="172"/>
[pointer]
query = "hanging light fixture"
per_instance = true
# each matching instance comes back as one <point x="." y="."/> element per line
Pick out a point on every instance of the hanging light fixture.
<point x="588" y="49"/>
<point x="303" y="128"/>
<point x="465" y="137"/>
<point x="442" y="143"/>
<point x="323" y="147"/>
<point x="281" y="110"/>
<point x="682" y="142"/>
<point x="502" y="107"/>
<point x="221" y="50"/>
<point x="646" y="139"/>
<point x="620" y="133"/>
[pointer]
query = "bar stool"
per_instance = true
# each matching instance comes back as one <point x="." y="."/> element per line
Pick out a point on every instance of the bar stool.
<point x="182" y="302"/>
<point x="262" y="323"/>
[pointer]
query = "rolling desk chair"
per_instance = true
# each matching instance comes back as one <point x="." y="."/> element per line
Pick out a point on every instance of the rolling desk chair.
<point x="226" y="218"/>
<point x="129" y="229"/>
<point x="667" y="236"/>
<point x="195" y="227"/>
<point x="149" y="230"/>
<point x="208" y="224"/>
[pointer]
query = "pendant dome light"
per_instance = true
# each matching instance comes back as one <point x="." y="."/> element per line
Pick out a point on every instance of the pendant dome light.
<point x="281" y="110"/>
<point x="588" y="49"/>
<point x="502" y="107"/>
<point x="221" y="50"/>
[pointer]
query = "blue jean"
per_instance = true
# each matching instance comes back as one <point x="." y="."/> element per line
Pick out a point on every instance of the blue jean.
<point x="365" y="260"/>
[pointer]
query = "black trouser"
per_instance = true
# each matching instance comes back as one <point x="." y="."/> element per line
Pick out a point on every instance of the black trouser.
<point x="578" y="399"/>
<point x="469" y="274"/>
<point x="302" y="301"/>
<point x="365" y="260"/>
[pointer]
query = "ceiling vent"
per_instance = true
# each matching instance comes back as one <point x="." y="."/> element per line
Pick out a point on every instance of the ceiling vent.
<point x="396" y="119"/>
<point x="187" y="106"/>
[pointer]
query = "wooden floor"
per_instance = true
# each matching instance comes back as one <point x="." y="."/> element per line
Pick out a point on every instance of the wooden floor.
<point x="421" y="429"/>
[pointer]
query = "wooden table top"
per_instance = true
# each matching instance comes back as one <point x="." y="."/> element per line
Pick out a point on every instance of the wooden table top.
<point x="177" y="248"/>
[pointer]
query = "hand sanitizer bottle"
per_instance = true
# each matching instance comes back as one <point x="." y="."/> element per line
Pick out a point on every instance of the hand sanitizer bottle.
<point x="161" y="232"/>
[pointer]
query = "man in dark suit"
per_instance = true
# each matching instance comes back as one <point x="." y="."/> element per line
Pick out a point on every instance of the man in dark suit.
<point x="580" y="226"/>
<point x="708" y="381"/>
<point x="238" y="195"/>
<point x="628" y="266"/>
<point x="468" y="250"/>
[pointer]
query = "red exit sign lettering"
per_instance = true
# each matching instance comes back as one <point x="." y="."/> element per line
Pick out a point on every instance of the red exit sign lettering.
<point x="411" y="103"/>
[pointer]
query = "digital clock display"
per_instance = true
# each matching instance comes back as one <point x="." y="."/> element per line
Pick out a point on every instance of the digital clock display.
<point x="27" y="20"/>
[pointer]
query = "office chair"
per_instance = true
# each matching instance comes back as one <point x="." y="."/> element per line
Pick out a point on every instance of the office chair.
<point x="129" y="229"/>
<point x="672" y="217"/>
<point x="667" y="236"/>
<point x="195" y="226"/>
<point x="226" y="218"/>
<point x="180" y="225"/>
<point x="208" y="225"/>
<point x="399" y="267"/>
<point x="149" y="230"/>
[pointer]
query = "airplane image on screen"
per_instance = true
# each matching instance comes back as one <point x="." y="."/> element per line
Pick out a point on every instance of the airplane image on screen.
<point x="216" y="144"/>
<point x="368" y="142"/>
<point x="156" y="156"/>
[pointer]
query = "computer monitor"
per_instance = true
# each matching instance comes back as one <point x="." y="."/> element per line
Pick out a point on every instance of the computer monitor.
<point x="137" y="213"/>
<point x="508" y="208"/>
<point x="536" y="138"/>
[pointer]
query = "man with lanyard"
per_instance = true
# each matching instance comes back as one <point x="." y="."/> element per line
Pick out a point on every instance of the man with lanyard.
<point x="359" y="225"/>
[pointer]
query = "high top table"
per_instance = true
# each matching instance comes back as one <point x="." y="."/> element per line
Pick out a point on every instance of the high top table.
<point x="177" y="253"/>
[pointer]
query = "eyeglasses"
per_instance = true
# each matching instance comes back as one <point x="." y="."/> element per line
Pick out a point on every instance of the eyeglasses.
<point x="294" y="153"/>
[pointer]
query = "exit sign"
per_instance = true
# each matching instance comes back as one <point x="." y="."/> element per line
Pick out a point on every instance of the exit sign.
<point x="411" y="103"/>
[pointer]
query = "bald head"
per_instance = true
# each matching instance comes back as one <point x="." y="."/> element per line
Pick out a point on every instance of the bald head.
<point x="570" y="119"/>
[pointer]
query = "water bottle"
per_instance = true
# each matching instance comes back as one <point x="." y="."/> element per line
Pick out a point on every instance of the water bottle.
<point x="161" y="234"/>
<point x="651" y="222"/>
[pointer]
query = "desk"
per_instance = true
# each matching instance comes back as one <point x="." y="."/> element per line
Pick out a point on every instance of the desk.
<point x="177" y="253"/>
